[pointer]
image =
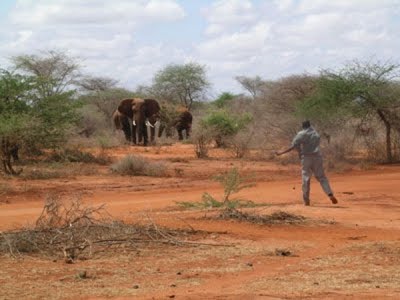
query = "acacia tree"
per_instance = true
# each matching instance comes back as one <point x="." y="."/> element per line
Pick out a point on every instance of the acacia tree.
<point x="360" y="90"/>
<point x="253" y="85"/>
<point x="186" y="83"/>
<point x="103" y="93"/>
<point x="52" y="104"/>
<point x="53" y="71"/>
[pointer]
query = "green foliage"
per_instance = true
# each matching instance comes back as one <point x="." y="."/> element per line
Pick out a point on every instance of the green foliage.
<point x="14" y="92"/>
<point x="223" y="100"/>
<point x="232" y="182"/>
<point x="360" y="91"/>
<point x="184" y="83"/>
<point x="57" y="113"/>
<point x="13" y="125"/>
<point x="37" y="109"/>
<point x="356" y="90"/>
<point x="223" y="124"/>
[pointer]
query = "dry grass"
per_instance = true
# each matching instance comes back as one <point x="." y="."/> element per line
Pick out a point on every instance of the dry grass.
<point x="77" y="155"/>
<point x="136" y="165"/>
<point x="278" y="217"/>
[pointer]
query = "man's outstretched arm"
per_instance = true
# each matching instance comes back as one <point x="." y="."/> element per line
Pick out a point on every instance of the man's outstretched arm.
<point x="285" y="151"/>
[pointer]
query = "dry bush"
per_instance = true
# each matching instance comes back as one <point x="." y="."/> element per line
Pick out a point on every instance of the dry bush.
<point x="164" y="141"/>
<point x="240" y="143"/>
<point x="72" y="230"/>
<point x="105" y="139"/>
<point x="77" y="155"/>
<point x="136" y="165"/>
<point x="201" y="139"/>
<point x="278" y="217"/>
<point x="43" y="174"/>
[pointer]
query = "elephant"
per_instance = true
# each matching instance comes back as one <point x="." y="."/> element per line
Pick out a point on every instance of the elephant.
<point x="133" y="115"/>
<point x="184" y="122"/>
<point x="181" y="122"/>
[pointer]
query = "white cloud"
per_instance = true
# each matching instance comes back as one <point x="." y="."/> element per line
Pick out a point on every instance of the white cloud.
<point x="320" y="6"/>
<point x="298" y="36"/>
<point x="130" y="40"/>
<point x="239" y="45"/>
<point x="72" y="12"/>
<point x="103" y="34"/>
<point x="227" y="15"/>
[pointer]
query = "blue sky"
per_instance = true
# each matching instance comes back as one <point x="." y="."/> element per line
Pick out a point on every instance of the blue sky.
<point x="130" y="40"/>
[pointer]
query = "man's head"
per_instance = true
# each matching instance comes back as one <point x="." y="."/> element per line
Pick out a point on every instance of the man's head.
<point x="306" y="124"/>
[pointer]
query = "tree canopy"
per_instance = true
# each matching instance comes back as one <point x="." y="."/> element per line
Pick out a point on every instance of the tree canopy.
<point x="184" y="83"/>
<point x="361" y="90"/>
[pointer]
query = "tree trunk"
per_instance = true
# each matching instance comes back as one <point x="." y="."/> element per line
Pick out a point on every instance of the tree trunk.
<point x="388" y="127"/>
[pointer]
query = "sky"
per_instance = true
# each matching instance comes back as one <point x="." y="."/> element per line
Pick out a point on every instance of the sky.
<point x="130" y="40"/>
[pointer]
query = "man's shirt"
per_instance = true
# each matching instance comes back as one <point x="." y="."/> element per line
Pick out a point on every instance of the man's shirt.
<point x="307" y="141"/>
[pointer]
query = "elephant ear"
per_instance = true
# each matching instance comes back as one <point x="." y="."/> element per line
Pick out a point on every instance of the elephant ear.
<point x="125" y="107"/>
<point x="116" y="117"/>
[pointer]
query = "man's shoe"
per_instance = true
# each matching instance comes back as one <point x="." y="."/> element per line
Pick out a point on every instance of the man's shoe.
<point x="333" y="199"/>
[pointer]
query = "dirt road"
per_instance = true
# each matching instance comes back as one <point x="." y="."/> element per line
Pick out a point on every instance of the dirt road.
<point x="348" y="251"/>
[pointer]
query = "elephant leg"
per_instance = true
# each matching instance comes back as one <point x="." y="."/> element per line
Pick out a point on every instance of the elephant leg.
<point x="5" y="167"/>
<point x="168" y="132"/>
<point x="133" y="137"/>
<point x="160" y="130"/>
<point x="14" y="152"/>
<point x="10" y="168"/>
<point x="127" y="134"/>
<point x="180" y="130"/>
<point x="152" y="134"/>
<point x="126" y="128"/>
<point x="142" y="134"/>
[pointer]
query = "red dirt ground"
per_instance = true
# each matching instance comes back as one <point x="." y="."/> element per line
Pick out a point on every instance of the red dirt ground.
<point x="347" y="251"/>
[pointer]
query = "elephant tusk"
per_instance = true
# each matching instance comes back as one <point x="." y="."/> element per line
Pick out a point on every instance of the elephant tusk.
<point x="148" y="124"/>
<point x="134" y="123"/>
<point x="157" y="123"/>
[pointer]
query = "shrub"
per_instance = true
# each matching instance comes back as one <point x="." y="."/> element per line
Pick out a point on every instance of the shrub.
<point x="222" y="125"/>
<point x="201" y="138"/>
<point x="232" y="182"/>
<point x="71" y="229"/>
<point x="136" y="165"/>
<point x="239" y="144"/>
<point x="76" y="155"/>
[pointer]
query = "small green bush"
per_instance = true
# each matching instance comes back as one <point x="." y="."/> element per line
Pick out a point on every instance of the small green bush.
<point x="223" y="124"/>
<point x="232" y="182"/>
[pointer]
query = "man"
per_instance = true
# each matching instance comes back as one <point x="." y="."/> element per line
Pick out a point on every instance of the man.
<point x="307" y="143"/>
